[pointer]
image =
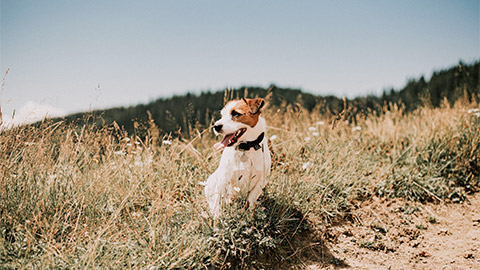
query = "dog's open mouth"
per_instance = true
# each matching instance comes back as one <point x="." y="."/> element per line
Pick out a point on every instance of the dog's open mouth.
<point x="230" y="139"/>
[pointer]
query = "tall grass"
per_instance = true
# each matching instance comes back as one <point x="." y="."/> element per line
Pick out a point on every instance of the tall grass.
<point x="76" y="197"/>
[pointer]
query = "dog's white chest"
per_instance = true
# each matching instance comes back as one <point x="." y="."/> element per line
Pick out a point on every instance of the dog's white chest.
<point x="243" y="159"/>
<point x="247" y="172"/>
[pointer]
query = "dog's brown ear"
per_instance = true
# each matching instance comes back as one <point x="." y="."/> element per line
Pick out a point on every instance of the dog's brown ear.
<point x="255" y="104"/>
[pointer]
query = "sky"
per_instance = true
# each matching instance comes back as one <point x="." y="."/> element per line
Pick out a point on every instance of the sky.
<point x="71" y="56"/>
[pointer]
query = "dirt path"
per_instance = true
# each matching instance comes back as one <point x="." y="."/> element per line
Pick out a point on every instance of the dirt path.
<point x="395" y="235"/>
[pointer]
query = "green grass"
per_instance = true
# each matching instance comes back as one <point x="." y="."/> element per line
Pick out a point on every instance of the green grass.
<point x="79" y="197"/>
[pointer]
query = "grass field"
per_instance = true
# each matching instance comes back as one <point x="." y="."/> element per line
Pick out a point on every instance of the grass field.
<point x="80" y="197"/>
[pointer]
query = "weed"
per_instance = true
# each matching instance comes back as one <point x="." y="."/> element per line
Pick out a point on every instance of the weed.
<point x="420" y="227"/>
<point x="243" y="237"/>
<point x="432" y="220"/>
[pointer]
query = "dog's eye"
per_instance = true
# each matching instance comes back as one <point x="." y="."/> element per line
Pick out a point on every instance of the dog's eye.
<point x="235" y="113"/>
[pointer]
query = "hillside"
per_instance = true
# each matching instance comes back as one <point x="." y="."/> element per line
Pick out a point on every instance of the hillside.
<point x="179" y="115"/>
<point x="392" y="192"/>
<point x="396" y="186"/>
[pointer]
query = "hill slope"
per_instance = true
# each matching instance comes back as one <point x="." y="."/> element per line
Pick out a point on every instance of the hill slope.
<point x="98" y="197"/>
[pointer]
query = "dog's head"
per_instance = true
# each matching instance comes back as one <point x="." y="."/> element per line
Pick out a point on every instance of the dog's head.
<point x="237" y="117"/>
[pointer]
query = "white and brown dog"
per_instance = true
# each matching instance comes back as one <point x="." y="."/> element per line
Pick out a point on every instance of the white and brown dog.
<point x="245" y="161"/>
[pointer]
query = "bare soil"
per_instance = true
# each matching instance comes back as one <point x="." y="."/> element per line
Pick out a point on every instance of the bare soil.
<point x="398" y="235"/>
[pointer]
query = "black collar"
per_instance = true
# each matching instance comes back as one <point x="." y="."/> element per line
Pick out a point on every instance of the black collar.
<point x="245" y="146"/>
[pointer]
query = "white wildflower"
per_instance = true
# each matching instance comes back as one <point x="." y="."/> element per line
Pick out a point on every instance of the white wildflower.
<point x="307" y="165"/>
<point x="473" y="111"/>
<point x="204" y="183"/>
<point x="237" y="189"/>
<point x="307" y="139"/>
<point x="149" y="160"/>
<point x="312" y="129"/>
<point x="320" y="123"/>
<point x="477" y="114"/>
<point x="167" y="142"/>
<point x="137" y="143"/>
<point x="127" y="139"/>
<point x="119" y="153"/>
<point x="315" y="134"/>
<point x="273" y="137"/>
<point x="356" y="128"/>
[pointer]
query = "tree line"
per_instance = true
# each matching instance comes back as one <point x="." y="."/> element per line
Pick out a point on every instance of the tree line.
<point x="181" y="114"/>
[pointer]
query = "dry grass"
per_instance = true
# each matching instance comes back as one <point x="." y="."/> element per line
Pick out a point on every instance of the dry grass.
<point x="79" y="197"/>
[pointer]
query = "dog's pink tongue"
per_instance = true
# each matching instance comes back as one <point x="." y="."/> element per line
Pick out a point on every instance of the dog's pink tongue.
<point x="218" y="145"/>
<point x="225" y="142"/>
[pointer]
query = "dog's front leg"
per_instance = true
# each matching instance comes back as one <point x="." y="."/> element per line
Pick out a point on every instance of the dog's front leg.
<point x="255" y="192"/>
<point x="214" y="193"/>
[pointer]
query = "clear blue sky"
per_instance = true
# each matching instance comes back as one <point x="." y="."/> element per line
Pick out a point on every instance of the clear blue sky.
<point x="59" y="52"/>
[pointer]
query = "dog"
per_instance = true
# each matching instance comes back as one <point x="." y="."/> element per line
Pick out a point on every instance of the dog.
<point x="245" y="161"/>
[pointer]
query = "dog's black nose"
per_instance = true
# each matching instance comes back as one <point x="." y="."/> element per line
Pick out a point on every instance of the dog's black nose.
<point x="218" y="128"/>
